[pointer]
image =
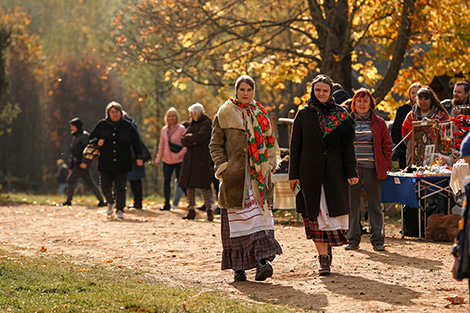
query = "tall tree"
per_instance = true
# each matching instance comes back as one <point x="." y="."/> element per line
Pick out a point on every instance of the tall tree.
<point x="284" y="43"/>
<point x="210" y="42"/>
<point x="22" y="160"/>
<point x="5" y="41"/>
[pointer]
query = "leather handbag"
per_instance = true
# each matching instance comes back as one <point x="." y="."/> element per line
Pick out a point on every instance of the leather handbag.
<point x="174" y="147"/>
<point x="92" y="151"/>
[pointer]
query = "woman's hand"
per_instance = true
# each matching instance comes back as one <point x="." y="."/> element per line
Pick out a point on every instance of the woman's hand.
<point x="139" y="162"/>
<point x="353" y="181"/>
<point x="157" y="163"/>
<point x="83" y="165"/>
<point x="292" y="183"/>
<point x="100" y="142"/>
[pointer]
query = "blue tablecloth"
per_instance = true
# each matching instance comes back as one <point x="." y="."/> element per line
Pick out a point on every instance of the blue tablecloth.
<point x="405" y="191"/>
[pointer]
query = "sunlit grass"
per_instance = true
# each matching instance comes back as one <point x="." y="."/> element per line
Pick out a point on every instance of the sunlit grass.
<point x="47" y="284"/>
<point x="55" y="199"/>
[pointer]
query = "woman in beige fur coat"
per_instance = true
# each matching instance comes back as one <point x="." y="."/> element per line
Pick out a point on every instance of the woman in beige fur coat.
<point x="243" y="148"/>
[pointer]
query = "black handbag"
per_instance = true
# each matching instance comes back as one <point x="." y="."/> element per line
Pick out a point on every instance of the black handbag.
<point x="146" y="156"/>
<point x="174" y="147"/>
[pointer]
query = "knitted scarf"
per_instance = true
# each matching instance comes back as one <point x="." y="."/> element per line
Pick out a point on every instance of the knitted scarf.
<point x="333" y="120"/>
<point x="260" y="137"/>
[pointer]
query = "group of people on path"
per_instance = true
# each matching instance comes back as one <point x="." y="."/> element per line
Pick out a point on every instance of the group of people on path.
<point x="335" y="154"/>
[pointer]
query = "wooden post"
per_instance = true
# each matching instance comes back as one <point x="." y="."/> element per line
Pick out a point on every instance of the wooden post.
<point x="289" y="127"/>
<point x="273" y="118"/>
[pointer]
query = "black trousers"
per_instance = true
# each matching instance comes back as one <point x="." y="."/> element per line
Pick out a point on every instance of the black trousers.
<point x="119" y="195"/>
<point x="136" y="189"/>
<point x="167" y="173"/>
<point x="72" y="178"/>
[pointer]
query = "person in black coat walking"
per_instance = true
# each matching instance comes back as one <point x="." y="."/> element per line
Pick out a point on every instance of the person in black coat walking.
<point x="399" y="153"/>
<point x="323" y="164"/>
<point x="78" y="166"/>
<point x="116" y="138"/>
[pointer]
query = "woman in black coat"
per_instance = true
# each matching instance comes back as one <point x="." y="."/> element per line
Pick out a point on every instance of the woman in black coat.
<point x="323" y="164"/>
<point x="116" y="138"/>
<point x="196" y="170"/>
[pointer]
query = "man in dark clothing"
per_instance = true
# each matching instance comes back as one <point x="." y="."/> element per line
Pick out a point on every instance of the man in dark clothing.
<point x="78" y="167"/>
<point x="460" y="104"/>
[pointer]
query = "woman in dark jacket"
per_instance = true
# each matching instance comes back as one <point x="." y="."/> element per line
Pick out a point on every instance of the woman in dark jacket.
<point x="116" y="138"/>
<point x="374" y="157"/>
<point x="196" y="170"/>
<point x="323" y="163"/>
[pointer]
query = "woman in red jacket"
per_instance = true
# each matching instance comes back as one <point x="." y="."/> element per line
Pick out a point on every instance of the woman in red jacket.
<point x="373" y="148"/>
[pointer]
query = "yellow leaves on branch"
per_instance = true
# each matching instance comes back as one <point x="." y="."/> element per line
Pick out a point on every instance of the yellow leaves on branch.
<point x="186" y="39"/>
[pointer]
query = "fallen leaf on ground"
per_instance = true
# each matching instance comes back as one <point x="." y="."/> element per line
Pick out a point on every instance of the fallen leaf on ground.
<point x="456" y="299"/>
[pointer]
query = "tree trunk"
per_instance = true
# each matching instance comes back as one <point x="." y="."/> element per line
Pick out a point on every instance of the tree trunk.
<point x="332" y="25"/>
<point x="399" y="51"/>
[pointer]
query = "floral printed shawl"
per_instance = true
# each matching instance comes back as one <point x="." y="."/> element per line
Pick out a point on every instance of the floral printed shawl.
<point x="333" y="119"/>
<point x="260" y="138"/>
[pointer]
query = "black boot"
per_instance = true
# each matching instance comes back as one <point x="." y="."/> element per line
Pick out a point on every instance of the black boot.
<point x="191" y="215"/>
<point x="239" y="275"/>
<point x="210" y="215"/>
<point x="263" y="270"/>
<point x="166" y="207"/>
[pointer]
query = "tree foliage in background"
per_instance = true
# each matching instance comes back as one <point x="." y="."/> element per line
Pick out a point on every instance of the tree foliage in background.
<point x="78" y="88"/>
<point x="73" y="27"/>
<point x="22" y="155"/>
<point x="284" y="44"/>
<point x="48" y="89"/>
<point x="8" y="111"/>
<point x="5" y="41"/>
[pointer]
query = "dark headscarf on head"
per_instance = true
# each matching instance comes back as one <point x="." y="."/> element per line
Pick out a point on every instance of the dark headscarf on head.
<point x="333" y="119"/>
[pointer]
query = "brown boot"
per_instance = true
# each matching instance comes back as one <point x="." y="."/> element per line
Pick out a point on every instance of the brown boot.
<point x="210" y="215"/>
<point x="324" y="268"/>
<point x="191" y="214"/>
<point x="330" y="253"/>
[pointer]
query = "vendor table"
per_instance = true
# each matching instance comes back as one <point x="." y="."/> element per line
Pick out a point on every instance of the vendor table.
<point x="414" y="192"/>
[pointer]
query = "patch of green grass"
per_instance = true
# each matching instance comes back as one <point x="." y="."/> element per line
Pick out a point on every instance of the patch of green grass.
<point x="46" y="284"/>
<point x="56" y="199"/>
<point x="24" y="198"/>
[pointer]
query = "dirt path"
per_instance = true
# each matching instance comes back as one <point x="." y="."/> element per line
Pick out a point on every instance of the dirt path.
<point x="411" y="276"/>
